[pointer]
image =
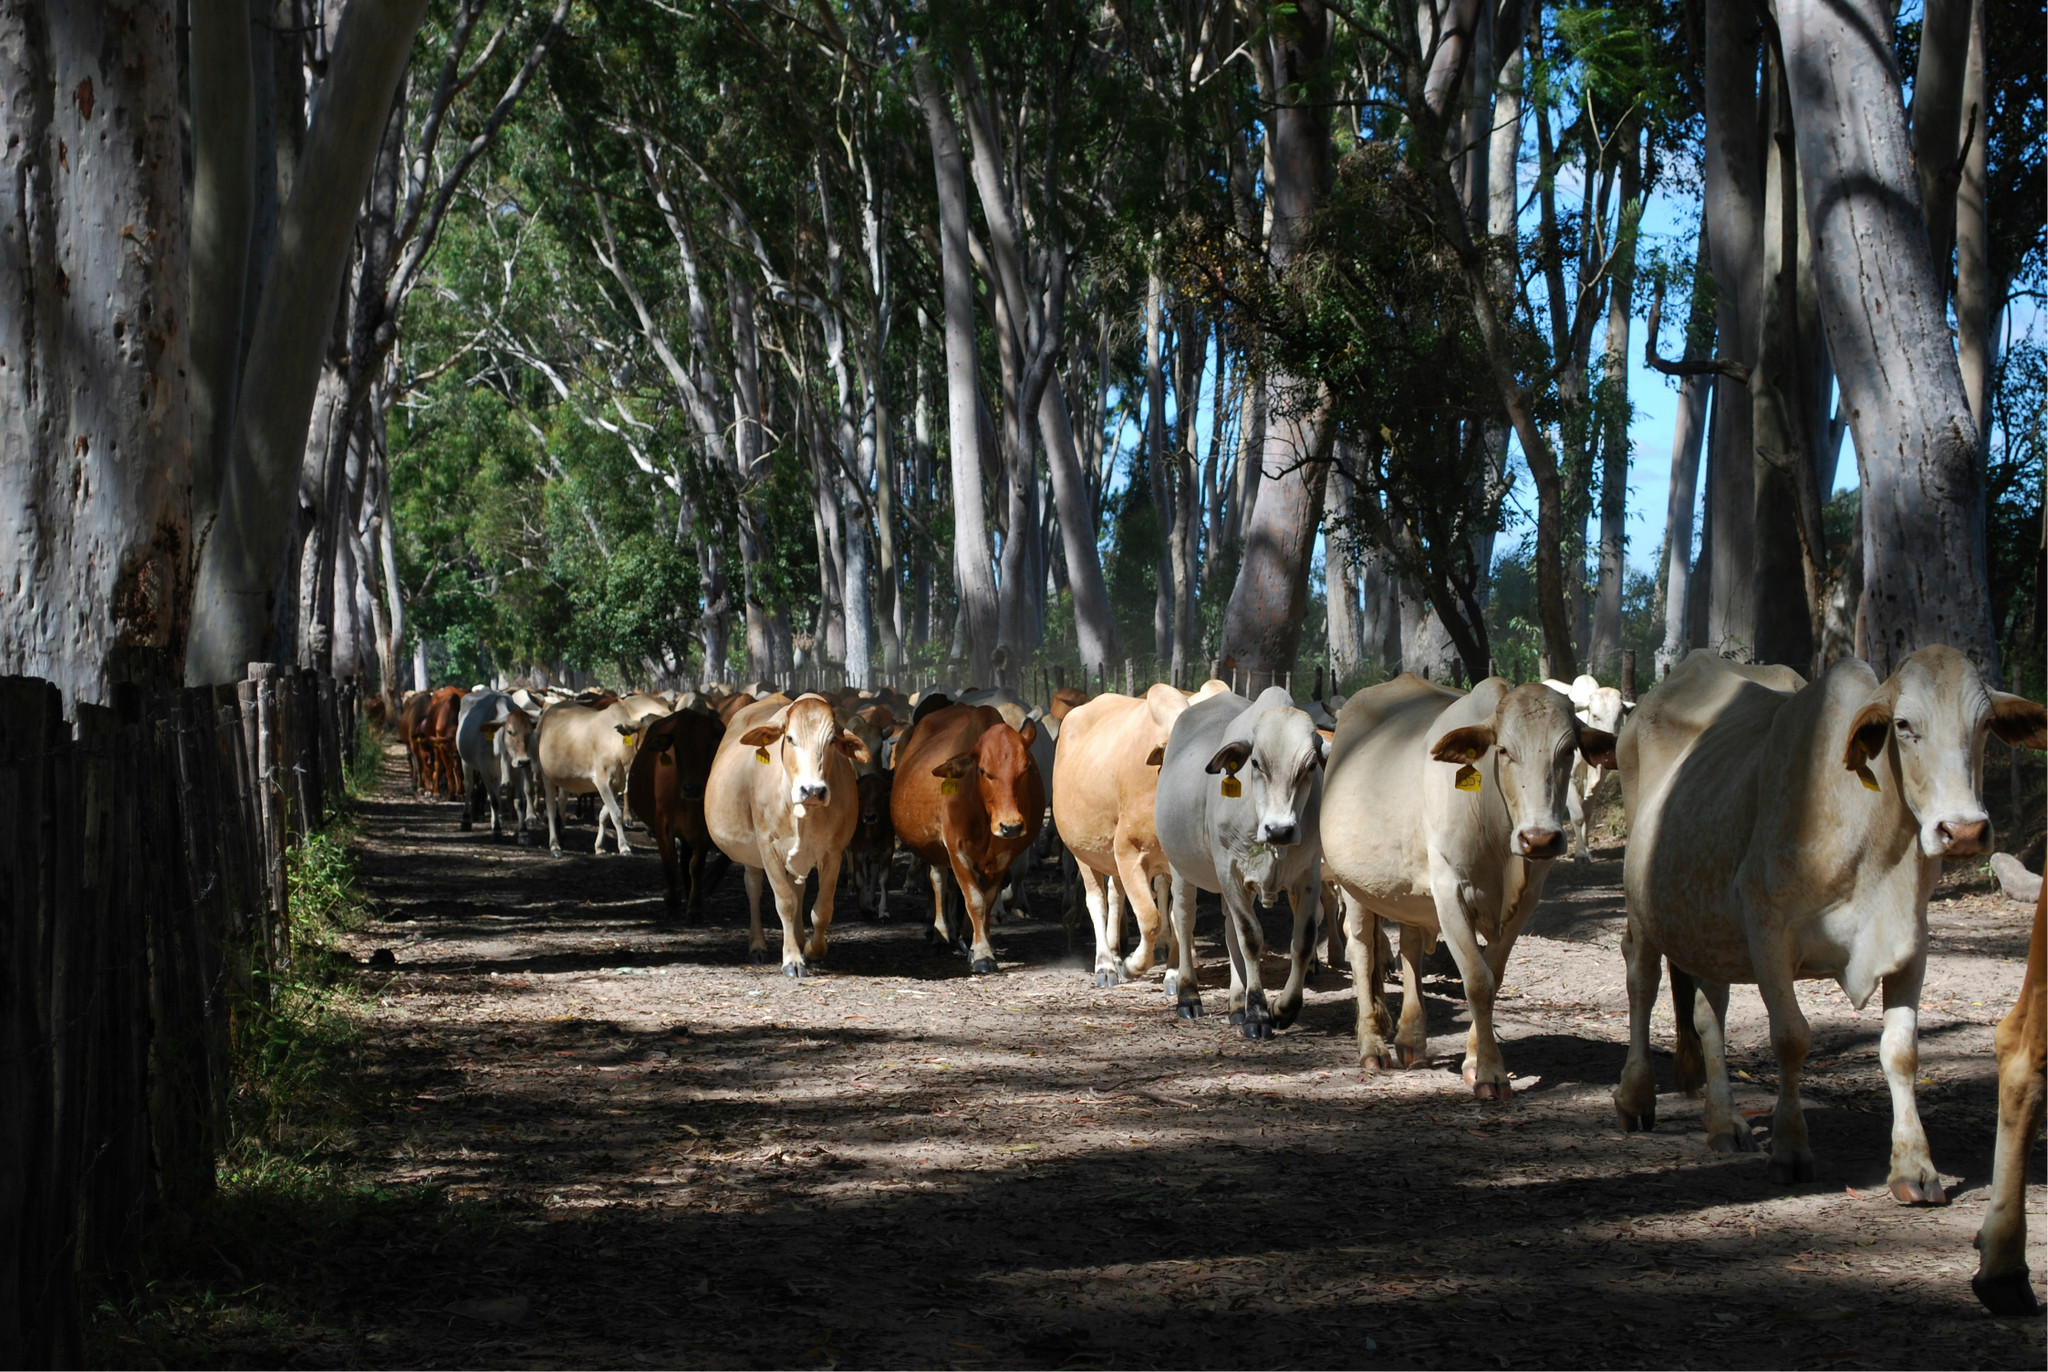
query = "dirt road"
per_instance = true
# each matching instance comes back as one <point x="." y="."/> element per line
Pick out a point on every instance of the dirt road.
<point x="654" y="1153"/>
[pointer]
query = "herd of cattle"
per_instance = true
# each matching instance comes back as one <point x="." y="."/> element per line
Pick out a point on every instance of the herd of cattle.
<point x="1779" y="830"/>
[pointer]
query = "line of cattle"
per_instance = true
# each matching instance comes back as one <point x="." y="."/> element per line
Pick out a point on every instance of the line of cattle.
<point x="1779" y="830"/>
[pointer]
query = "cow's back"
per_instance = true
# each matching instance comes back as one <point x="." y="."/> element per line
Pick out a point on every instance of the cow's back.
<point x="1375" y="827"/>
<point x="576" y="741"/>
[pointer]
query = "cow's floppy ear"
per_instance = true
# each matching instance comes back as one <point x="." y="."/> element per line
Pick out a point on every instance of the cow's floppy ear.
<point x="1229" y="757"/>
<point x="1597" y="747"/>
<point x="761" y="737"/>
<point x="1867" y="734"/>
<point x="2019" y="722"/>
<point x="957" y="766"/>
<point x="1029" y="733"/>
<point x="1156" y="756"/>
<point x="1468" y="744"/>
<point x="851" y="745"/>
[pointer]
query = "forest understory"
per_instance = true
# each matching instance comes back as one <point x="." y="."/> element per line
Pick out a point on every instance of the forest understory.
<point x="585" y="1137"/>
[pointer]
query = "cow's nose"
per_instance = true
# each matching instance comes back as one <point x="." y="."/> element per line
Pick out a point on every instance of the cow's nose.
<point x="1008" y="829"/>
<point x="1280" y="831"/>
<point x="1536" y="841"/>
<point x="1963" y="838"/>
<point x="810" y="791"/>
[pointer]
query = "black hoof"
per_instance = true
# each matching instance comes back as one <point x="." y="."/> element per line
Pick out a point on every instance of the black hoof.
<point x="1283" y="1018"/>
<point x="1103" y="981"/>
<point x="982" y="966"/>
<point x="1731" y="1143"/>
<point x="1189" y="1009"/>
<point x="758" y="956"/>
<point x="1644" y="1123"/>
<point x="1791" y="1169"/>
<point x="2008" y="1294"/>
<point x="1237" y="1015"/>
<point x="1257" y="1028"/>
<point x="793" y="970"/>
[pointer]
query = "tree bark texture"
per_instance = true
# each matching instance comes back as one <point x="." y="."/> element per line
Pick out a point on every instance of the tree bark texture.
<point x="1734" y="220"/>
<point x="1262" y="623"/>
<point x="95" y="424"/>
<point x="244" y="552"/>
<point x="223" y="194"/>
<point x="1937" y="121"/>
<point x="1974" y="344"/>
<point x="1603" y="652"/>
<point x="1916" y="444"/>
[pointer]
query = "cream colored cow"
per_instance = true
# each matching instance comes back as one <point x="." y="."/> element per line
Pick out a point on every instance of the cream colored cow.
<point x="1603" y="708"/>
<point x="585" y="747"/>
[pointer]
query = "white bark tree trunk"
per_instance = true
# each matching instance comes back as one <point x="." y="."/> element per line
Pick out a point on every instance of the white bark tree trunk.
<point x="1975" y="345"/>
<point x="1603" y="652"/>
<point x="1916" y="444"/>
<point x="243" y="552"/>
<point x="95" y="422"/>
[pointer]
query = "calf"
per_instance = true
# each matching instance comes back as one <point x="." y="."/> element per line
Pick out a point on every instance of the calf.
<point x="1442" y="814"/>
<point x="665" y="789"/>
<point x="585" y="747"/>
<point x="1781" y="831"/>
<point x="1237" y="812"/>
<point x="967" y="799"/>
<point x="781" y="801"/>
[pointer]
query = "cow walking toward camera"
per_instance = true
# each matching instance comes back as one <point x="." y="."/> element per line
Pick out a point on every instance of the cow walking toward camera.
<point x="1781" y="831"/>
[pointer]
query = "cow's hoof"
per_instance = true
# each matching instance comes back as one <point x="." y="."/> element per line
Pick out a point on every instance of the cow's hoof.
<point x="1373" y="1062"/>
<point x="1257" y="1028"/>
<point x="1493" y="1090"/>
<point x="554" y="852"/>
<point x="2007" y="1294"/>
<point x="1104" y="980"/>
<point x="1411" y="1056"/>
<point x="1906" y="1191"/>
<point x="1237" y="1015"/>
<point x="1735" y="1141"/>
<point x="466" y="826"/>
<point x="1284" y="1016"/>
<point x="982" y="966"/>
<point x="1189" y="1009"/>
<point x="1642" y="1121"/>
<point x="758" y="956"/>
<point x="1790" y="1168"/>
<point x="793" y="970"/>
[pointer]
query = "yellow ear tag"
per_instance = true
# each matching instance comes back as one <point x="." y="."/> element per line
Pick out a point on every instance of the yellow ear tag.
<point x="949" y="787"/>
<point x="664" y="760"/>
<point x="1863" y="775"/>
<point x="760" y="755"/>
<point x="1468" y="778"/>
<point x="1232" y="787"/>
<point x="629" y="738"/>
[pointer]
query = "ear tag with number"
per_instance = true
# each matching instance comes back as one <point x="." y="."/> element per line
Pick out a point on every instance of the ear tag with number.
<point x="760" y="755"/>
<point x="1468" y="778"/>
<point x="949" y="787"/>
<point x="1232" y="787"/>
<point x="1863" y="775"/>
<point x="664" y="760"/>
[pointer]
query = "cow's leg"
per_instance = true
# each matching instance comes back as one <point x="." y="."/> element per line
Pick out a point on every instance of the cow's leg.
<point x="551" y="801"/>
<point x="1093" y="892"/>
<point x="470" y="800"/>
<point x="981" y="956"/>
<point x="1361" y="939"/>
<point x="1181" y="985"/>
<point x="610" y="811"/>
<point x="671" y="876"/>
<point x="1727" y="1130"/>
<point x="1635" y="1095"/>
<point x="1305" y="902"/>
<point x="1137" y="888"/>
<point x="1688" y="1059"/>
<point x="940" y="931"/>
<point x="2002" y="1281"/>
<point x="1411" y="1039"/>
<point x="1913" y="1180"/>
<point x="1791" y="1037"/>
<point x="1484" y="1071"/>
<point x="696" y="870"/>
<point x="1247" y="943"/>
<point x="1161" y="890"/>
<point x="821" y="909"/>
<point x="757" y="946"/>
<point x="1575" y="807"/>
<point x="789" y="905"/>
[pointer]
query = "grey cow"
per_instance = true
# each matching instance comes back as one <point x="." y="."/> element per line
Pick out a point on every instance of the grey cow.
<point x="494" y="776"/>
<point x="1238" y="809"/>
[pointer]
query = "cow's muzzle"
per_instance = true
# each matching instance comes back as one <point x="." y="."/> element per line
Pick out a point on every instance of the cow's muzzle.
<point x="1963" y="837"/>
<point x="1280" y="832"/>
<point x="810" y="793"/>
<point x="1008" y="828"/>
<point x="1539" y="841"/>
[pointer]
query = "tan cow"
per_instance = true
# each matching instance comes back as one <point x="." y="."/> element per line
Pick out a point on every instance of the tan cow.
<point x="1781" y="831"/>
<point x="2002" y="1282"/>
<point x="1442" y="812"/>
<point x="1105" y="774"/>
<point x="782" y="802"/>
<point x="586" y="747"/>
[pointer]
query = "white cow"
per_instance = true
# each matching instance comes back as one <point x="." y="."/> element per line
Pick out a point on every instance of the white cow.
<point x="1237" y="813"/>
<point x="1781" y="831"/>
<point x="1441" y="813"/>
<point x="497" y="771"/>
<point x="1603" y="708"/>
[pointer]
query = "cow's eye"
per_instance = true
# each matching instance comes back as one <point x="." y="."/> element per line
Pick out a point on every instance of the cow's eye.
<point x="1905" y="729"/>
<point x="1505" y="755"/>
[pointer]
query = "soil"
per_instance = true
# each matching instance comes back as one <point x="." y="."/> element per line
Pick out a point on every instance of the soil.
<point x="663" y="1155"/>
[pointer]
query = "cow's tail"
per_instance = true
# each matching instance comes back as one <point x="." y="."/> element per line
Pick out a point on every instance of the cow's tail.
<point x="1688" y="1058"/>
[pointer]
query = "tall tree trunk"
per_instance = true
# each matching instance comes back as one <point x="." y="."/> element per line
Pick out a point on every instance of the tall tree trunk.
<point x="1975" y="345"/>
<point x="95" y="424"/>
<point x="1694" y="394"/>
<point x="1916" y="444"/>
<point x="1937" y="122"/>
<point x="223" y="187"/>
<point x="973" y="562"/>
<point x="244" y="551"/>
<point x="1340" y="572"/>
<point x="1094" y="625"/>
<point x="1734" y="216"/>
<point x="1262" y="623"/>
<point x="1158" y="463"/>
<point x="1603" y="653"/>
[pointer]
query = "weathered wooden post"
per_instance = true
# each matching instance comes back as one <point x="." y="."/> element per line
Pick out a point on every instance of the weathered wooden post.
<point x="1628" y="674"/>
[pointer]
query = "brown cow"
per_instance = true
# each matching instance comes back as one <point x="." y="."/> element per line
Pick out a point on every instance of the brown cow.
<point x="1065" y="701"/>
<point x="968" y="799"/>
<point x="731" y="705"/>
<point x="437" y="733"/>
<point x="782" y="803"/>
<point x="873" y="846"/>
<point x="412" y="716"/>
<point x="666" y="790"/>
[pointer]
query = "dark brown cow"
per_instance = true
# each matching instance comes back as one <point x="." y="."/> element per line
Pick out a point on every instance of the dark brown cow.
<point x="666" y="790"/>
<point x="873" y="846"/>
<point x="731" y="705"/>
<point x="437" y="733"/>
<point x="412" y="718"/>
<point x="968" y="800"/>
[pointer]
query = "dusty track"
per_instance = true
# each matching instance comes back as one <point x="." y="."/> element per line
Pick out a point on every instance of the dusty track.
<point x="673" y="1157"/>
